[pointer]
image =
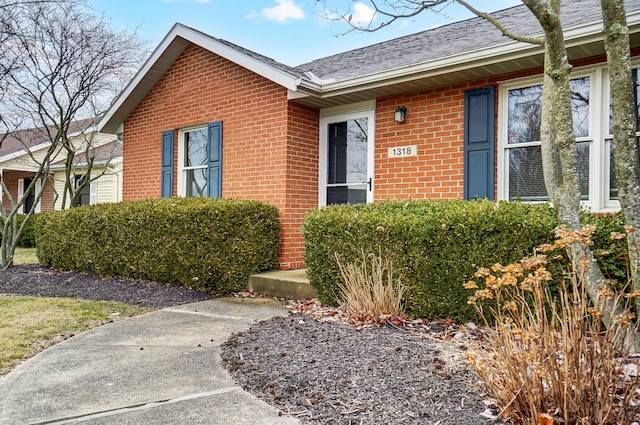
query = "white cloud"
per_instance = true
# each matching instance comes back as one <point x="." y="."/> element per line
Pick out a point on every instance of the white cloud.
<point x="362" y="15"/>
<point x="285" y="10"/>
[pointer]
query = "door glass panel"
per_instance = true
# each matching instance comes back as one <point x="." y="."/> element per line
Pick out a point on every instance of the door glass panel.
<point x="347" y="162"/>
<point x="353" y="194"/>
<point x="348" y="152"/>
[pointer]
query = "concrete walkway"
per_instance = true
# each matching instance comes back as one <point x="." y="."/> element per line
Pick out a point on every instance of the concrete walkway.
<point x="158" y="368"/>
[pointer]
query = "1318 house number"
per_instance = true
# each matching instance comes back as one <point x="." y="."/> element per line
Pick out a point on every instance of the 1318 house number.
<point x="403" y="151"/>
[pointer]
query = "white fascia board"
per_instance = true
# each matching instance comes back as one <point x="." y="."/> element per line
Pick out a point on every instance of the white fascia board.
<point x="22" y="152"/>
<point x="274" y="74"/>
<point x="103" y="163"/>
<point x="581" y="34"/>
<point x="139" y="76"/>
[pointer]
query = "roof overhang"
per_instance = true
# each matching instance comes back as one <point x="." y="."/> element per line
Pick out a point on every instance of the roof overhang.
<point x="582" y="41"/>
<point x="161" y="59"/>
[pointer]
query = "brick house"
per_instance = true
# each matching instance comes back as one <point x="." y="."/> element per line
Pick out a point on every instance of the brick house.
<point x="22" y="152"/>
<point x="449" y="113"/>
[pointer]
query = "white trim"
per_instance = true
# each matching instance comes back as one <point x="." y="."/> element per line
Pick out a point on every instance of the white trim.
<point x="20" y="195"/>
<point x="365" y="106"/>
<point x="38" y="188"/>
<point x="93" y="189"/>
<point x="162" y="56"/>
<point x="22" y="152"/>
<point x="182" y="189"/>
<point x="598" y="136"/>
<point x="112" y="161"/>
<point x="340" y="114"/>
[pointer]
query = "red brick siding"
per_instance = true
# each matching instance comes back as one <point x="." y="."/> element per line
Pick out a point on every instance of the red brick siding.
<point x="302" y="181"/>
<point x="435" y="123"/>
<point x="265" y="149"/>
<point x="10" y="179"/>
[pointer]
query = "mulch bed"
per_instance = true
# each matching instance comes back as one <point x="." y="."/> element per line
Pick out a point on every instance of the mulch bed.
<point x="40" y="281"/>
<point x="319" y="372"/>
<point x="332" y="373"/>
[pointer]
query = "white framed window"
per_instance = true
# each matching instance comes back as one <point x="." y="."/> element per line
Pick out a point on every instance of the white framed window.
<point x="88" y="194"/>
<point x="193" y="162"/>
<point x="520" y="174"/>
<point x="200" y="161"/>
<point x="23" y="184"/>
<point x="611" y="194"/>
<point x="347" y="155"/>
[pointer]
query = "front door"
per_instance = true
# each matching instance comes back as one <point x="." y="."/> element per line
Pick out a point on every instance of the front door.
<point x="348" y="160"/>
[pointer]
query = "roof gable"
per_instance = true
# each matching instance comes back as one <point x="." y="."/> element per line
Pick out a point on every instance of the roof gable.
<point x="460" y="51"/>
<point x="168" y="51"/>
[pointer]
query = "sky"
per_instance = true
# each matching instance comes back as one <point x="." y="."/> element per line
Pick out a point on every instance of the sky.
<point x="292" y="32"/>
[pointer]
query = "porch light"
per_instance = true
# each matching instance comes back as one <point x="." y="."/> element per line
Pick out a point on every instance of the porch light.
<point x="400" y="114"/>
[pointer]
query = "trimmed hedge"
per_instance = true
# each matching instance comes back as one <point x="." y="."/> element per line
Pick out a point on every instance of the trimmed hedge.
<point x="435" y="245"/>
<point x="201" y="243"/>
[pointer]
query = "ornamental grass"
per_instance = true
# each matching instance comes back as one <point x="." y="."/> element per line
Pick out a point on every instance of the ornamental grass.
<point x="546" y="357"/>
<point x="370" y="292"/>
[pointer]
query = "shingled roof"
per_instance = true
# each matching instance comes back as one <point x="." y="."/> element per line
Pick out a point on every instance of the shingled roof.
<point x="460" y="51"/>
<point x="448" y="40"/>
<point x="17" y="142"/>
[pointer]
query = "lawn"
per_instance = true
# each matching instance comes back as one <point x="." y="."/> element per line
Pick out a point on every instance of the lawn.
<point x="29" y="325"/>
<point x="25" y="256"/>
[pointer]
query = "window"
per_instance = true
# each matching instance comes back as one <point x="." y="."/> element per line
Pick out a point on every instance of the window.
<point x="84" y="197"/>
<point x="610" y="148"/>
<point x="195" y="165"/>
<point x="520" y="173"/>
<point x="23" y="185"/>
<point x="525" y="180"/>
<point x="200" y="161"/>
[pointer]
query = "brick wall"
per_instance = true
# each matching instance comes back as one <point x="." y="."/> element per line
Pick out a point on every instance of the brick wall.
<point x="302" y="181"/>
<point x="435" y="123"/>
<point x="10" y="179"/>
<point x="267" y="142"/>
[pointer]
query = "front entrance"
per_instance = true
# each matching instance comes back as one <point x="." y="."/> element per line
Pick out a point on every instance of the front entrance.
<point x="346" y="159"/>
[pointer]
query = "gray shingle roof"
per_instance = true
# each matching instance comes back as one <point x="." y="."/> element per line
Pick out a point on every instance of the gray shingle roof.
<point x="265" y="59"/>
<point x="456" y="38"/>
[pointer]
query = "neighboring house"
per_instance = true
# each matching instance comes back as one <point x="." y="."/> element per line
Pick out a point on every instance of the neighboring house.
<point x="105" y="175"/>
<point x="448" y="113"/>
<point x="21" y="152"/>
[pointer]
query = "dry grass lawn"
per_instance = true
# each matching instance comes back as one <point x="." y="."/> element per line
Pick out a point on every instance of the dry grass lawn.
<point x="29" y="325"/>
<point x="25" y="256"/>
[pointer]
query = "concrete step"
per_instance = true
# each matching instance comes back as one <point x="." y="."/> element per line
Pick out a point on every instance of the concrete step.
<point x="291" y="284"/>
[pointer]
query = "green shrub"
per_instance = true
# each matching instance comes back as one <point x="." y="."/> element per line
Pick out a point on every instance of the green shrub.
<point x="28" y="237"/>
<point x="435" y="246"/>
<point x="202" y="243"/>
<point x="611" y="254"/>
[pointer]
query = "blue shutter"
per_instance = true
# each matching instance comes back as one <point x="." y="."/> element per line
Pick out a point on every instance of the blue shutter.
<point x="166" y="190"/>
<point x="479" y="143"/>
<point x="214" y="163"/>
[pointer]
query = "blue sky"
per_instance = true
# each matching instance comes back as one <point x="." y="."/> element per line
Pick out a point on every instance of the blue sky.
<point x="290" y="31"/>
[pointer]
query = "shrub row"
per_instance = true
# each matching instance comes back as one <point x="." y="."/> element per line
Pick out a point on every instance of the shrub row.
<point x="438" y="245"/>
<point x="201" y="243"/>
<point x="435" y="245"/>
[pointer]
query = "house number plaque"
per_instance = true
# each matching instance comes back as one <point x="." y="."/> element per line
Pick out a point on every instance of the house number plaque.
<point x="403" y="151"/>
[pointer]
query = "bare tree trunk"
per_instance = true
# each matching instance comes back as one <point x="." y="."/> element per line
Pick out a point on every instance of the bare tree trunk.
<point x="560" y="156"/>
<point x="624" y="117"/>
